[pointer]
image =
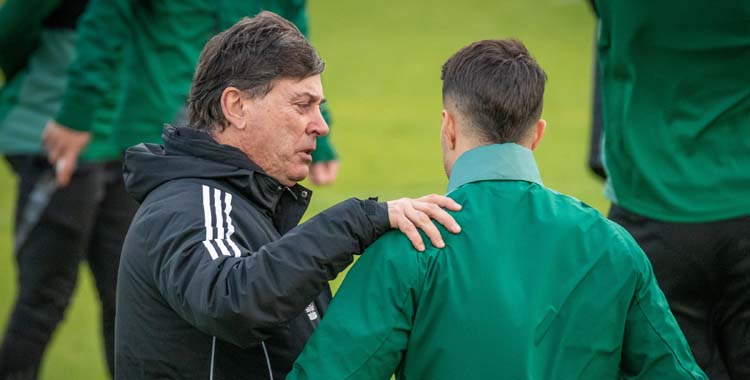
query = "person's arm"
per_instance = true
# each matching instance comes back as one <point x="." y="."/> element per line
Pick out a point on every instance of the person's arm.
<point x="103" y="33"/>
<point x="240" y="293"/>
<point x="241" y="299"/>
<point x="365" y="331"/>
<point x="20" y="24"/>
<point x="654" y="347"/>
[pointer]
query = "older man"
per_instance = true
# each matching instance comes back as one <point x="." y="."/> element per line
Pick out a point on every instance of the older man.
<point x="215" y="281"/>
<point x="537" y="286"/>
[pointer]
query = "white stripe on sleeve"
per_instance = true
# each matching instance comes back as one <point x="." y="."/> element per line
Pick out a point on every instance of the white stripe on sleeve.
<point x="230" y="226"/>
<point x="219" y="219"/>
<point x="211" y="250"/>
<point x="207" y="223"/>
<point x="207" y="212"/>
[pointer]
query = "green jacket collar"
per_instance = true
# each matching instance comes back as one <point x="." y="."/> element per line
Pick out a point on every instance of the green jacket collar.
<point x="508" y="162"/>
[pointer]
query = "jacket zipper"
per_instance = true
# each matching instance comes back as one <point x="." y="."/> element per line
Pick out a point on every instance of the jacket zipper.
<point x="268" y="360"/>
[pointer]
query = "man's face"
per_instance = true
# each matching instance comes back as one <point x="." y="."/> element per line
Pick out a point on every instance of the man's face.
<point x="281" y="128"/>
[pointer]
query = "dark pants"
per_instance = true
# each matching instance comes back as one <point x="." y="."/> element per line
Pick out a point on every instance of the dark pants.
<point x="704" y="270"/>
<point x="55" y="229"/>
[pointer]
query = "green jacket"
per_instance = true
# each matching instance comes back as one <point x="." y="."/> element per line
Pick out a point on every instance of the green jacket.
<point x="675" y="84"/>
<point x="37" y="75"/>
<point x="20" y="30"/>
<point x="536" y="286"/>
<point x="150" y="48"/>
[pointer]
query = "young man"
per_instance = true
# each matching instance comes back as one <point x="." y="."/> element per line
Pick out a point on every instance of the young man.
<point x="216" y="280"/>
<point x="537" y="286"/>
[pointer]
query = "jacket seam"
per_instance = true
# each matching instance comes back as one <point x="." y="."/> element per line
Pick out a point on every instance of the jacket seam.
<point x="387" y="337"/>
<point x="661" y="338"/>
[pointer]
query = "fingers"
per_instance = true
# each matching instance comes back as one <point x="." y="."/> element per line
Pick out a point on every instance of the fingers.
<point x="411" y="232"/>
<point x="397" y="216"/>
<point x="324" y="173"/>
<point x="64" y="169"/>
<point x="433" y="211"/>
<point x="63" y="146"/>
<point x="442" y="201"/>
<point x="54" y="152"/>
<point x="315" y="174"/>
<point x="411" y="215"/>
<point x="51" y="143"/>
<point x="422" y="221"/>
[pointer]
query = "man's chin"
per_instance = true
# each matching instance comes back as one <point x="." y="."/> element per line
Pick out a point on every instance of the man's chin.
<point x="300" y="175"/>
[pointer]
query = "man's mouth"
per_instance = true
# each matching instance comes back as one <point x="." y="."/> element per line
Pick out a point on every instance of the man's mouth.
<point x="307" y="153"/>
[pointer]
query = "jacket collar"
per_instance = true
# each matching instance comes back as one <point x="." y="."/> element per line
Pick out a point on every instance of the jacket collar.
<point x="505" y="162"/>
<point x="285" y="205"/>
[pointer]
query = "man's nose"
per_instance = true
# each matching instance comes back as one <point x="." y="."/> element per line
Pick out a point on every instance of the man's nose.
<point x="319" y="125"/>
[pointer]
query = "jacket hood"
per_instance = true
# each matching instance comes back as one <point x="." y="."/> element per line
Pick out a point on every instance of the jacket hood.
<point x="188" y="153"/>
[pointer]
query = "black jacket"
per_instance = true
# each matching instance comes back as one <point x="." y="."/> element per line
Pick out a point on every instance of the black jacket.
<point x="208" y="288"/>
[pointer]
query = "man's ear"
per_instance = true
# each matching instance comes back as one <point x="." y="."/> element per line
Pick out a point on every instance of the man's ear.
<point x="231" y="106"/>
<point x="541" y="125"/>
<point x="448" y="130"/>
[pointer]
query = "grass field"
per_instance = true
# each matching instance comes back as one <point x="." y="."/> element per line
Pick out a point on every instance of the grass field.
<point x="383" y="82"/>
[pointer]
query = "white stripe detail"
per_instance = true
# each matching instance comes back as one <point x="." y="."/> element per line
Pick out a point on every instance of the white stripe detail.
<point x="219" y="218"/>
<point x="207" y="212"/>
<point x="207" y="222"/>
<point x="268" y="360"/>
<point x="230" y="228"/>
<point x="213" y="353"/>
<point x="211" y="250"/>
<point x="214" y="219"/>
<point x="222" y="247"/>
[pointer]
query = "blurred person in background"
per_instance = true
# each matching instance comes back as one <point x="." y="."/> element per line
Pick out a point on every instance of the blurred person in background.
<point x="537" y="286"/>
<point x="130" y="75"/>
<point x="54" y="227"/>
<point x="217" y="280"/>
<point x="675" y="94"/>
<point x="157" y="42"/>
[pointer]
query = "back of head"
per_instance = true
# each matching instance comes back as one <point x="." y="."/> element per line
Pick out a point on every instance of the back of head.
<point x="497" y="87"/>
<point x="250" y="56"/>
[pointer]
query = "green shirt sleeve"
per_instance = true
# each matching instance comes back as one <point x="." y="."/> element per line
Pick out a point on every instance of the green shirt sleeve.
<point x="654" y="347"/>
<point x="103" y="32"/>
<point x="365" y="331"/>
<point x="20" y="24"/>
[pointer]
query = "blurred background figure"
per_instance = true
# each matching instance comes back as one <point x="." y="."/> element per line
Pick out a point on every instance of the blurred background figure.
<point x="54" y="227"/>
<point x="156" y="44"/>
<point x="130" y="70"/>
<point x="675" y="92"/>
<point x="595" y="159"/>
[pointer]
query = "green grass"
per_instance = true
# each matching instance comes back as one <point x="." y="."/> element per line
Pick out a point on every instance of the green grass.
<point x="383" y="82"/>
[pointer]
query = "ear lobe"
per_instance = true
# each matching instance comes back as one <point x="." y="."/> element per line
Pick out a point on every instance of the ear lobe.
<point x="449" y="130"/>
<point x="232" y="107"/>
<point x="541" y="126"/>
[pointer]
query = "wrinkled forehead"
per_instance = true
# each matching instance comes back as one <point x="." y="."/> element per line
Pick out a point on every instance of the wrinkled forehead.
<point x="310" y="87"/>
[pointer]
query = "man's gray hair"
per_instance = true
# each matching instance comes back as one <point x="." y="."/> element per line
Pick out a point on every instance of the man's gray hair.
<point x="250" y="56"/>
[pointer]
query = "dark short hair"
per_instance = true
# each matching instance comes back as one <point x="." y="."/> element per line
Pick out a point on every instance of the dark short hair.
<point x="250" y="56"/>
<point x="497" y="86"/>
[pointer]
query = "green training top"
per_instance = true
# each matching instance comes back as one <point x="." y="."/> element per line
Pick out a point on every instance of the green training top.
<point x="536" y="286"/>
<point x="675" y="79"/>
<point x="37" y="80"/>
<point x="150" y="49"/>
